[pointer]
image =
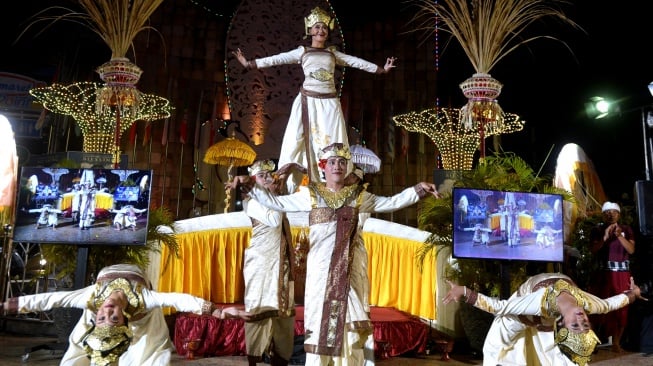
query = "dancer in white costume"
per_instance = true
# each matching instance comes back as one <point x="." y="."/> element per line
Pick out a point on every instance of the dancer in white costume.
<point x="87" y="206"/>
<point x="126" y="217"/>
<point x="336" y="318"/>
<point x="49" y="216"/>
<point x="543" y="323"/>
<point x="122" y="322"/>
<point x="317" y="105"/>
<point x="269" y="295"/>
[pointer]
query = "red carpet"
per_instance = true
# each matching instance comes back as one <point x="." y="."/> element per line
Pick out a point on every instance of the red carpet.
<point x="395" y="333"/>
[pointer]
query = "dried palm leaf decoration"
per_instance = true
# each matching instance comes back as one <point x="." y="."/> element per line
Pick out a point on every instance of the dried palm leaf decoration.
<point x="487" y="31"/>
<point x="117" y="22"/>
<point x="117" y="103"/>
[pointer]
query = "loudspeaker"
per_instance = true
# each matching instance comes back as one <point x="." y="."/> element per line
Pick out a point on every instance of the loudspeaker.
<point x="644" y="199"/>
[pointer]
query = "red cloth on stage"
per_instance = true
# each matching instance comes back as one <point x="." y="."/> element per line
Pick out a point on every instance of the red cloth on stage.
<point x="217" y="337"/>
<point x="395" y="333"/>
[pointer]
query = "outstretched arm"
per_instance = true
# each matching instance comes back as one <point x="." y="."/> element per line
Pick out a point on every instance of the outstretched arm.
<point x="240" y="56"/>
<point x="405" y="198"/>
<point x="456" y="292"/>
<point x="231" y="312"/>
<point x="389" y="64"/>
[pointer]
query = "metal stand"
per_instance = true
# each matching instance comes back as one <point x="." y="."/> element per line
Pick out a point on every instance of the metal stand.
<point x="66" y="318"/>
<point x="7" y="252"/>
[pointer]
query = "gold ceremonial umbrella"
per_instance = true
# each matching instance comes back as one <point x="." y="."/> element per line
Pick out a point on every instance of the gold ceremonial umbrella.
<point x="230" y="153"/>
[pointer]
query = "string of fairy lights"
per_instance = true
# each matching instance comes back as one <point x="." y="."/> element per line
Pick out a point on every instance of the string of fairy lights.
<point x="446" y="128"/>
<point x="98" y="126"/>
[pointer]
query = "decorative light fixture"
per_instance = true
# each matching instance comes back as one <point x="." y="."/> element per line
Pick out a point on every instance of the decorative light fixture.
<point x="99" y="126"/>
<point x="482" y="111"/>
<point x="456" y="142"/>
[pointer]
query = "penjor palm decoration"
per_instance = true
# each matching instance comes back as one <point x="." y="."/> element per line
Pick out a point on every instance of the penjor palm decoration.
<point x="105" y="111"/>
<point x="487" y="30"/>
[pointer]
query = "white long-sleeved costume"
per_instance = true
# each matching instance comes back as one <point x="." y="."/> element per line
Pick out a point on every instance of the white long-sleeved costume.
<point x="150" y="345"/>
<point x="522" y="331"/>
<point x="49" y="216"/>
<point x="126" y="217"/>
<point x="268" y="285"/>
<point x="336" y="318"/>
<point x="323" y="110"/>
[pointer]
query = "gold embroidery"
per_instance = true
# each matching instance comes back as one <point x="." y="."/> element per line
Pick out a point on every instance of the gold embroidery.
<point x="335" y="200"/>
<point x="321" y="75"/>
<point x="104" y="345"/>
<point x="579" y="347"/>
<point x="321" y="215"/>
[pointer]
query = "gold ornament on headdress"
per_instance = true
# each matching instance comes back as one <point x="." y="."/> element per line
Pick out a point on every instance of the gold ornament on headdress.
<point x="318" y="15"/>
<point x="336" y="149"/>
<point x="104" y="345"/>
<point x="578" y="347"/>
<point x="261" y="166"/>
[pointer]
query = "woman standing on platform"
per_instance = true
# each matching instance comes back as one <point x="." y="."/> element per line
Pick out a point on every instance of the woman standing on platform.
<point x="316" y="113"/>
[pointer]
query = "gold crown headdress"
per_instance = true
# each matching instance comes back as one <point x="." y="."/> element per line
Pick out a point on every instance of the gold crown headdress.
<point x="336" y="149"/>
<point x="578" y="347"/>
<point x="134" y="296"/>
<point x="318" y="15"/>
<point x="261" y="166"/>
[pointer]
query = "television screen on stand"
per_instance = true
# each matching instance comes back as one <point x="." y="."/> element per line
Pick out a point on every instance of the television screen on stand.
<point x="82" y="206"/>
<point x="494" y="224"/>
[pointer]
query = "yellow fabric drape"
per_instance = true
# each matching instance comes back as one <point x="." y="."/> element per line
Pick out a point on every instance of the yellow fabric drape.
<point x="102" y="200"/>
<point x="211" y="264"/>
<point x="395" y="278"/>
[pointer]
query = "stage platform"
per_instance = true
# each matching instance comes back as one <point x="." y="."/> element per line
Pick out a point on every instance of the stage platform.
<point x="395" y="333"/>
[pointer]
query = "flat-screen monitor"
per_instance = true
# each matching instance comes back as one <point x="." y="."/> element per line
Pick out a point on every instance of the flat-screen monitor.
<point x="82" y="206"/>
<point x="494" y="224"/>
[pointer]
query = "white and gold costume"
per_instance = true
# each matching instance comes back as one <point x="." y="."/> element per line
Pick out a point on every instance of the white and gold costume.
<point x="522" y="331"/>
<point x="318" y="96"/>
<point x="336" y="318"/>
<point x="150" y="345"/>
<point x="268" y="284"/>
